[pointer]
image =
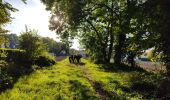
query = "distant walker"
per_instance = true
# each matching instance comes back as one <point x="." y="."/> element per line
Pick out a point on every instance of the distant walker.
<point x="75" y="58"/>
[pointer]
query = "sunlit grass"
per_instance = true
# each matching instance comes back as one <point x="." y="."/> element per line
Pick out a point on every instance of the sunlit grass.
<point x="71" y="82"/>
<point x="58" y="81"/>
<point x="113" y="82"/>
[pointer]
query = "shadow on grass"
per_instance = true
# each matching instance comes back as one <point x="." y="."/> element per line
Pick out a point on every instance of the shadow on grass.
<point x="118" y="68"/>
<point x="146" y="84"/>
<point x="81" y="64"/>
<point x="77" y="64"/>
<point x="82" y="92"/>
<point x="119" y="86"/>
<point x="104" y="94"/>
<point x="141" y="82"/>
<point x="13" y="72"/>
<point x="163" y="92"/>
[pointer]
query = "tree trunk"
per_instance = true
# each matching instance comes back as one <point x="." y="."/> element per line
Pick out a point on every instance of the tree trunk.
<point x="118" y="49"/>
<point x="166" y="49"/>
<point x="132" y="59"/>
<point x="166" y="34"/>
<point x="163" y="90"/>
<point x="111" y="36"/>
<point x="104" y="54"/>
<point x="110" y="48"/>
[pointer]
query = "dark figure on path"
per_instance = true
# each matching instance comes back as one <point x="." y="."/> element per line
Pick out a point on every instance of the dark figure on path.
<point x="75" y="58"/>
<point x="71" y="59"/>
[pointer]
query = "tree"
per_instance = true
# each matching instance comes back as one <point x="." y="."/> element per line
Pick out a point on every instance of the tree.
<point x="125" y="25"/>
<point x="54" y="47"/>
<point x="98" y="16"/>
<point x="157" y="28"/>
<point x="32" y="44"/>
<point x="5" y="8"/>
<point x="9" y="40"/>
<point x="5" y="16"/>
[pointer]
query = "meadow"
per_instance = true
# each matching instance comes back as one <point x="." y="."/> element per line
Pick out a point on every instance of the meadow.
<point x="86" y="81"/>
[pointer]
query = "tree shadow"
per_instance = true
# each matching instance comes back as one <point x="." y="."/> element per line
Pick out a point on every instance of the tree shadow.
<point x="81" y="63"/>
<point x="82" y="92"/>
<point x="118" y="85"/>
<point x="163" y="92"/>
<point x="13" y="73"/>
<point x="104" y="94"/>
<point x="143" y="84"/>
<point x="146" y="84"/>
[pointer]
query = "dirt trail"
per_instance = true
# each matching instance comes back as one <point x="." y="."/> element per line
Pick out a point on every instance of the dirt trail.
<point x="103" y="95"/>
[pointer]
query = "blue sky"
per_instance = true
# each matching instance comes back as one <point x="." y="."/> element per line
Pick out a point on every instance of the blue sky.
<point x="34" y="15"/>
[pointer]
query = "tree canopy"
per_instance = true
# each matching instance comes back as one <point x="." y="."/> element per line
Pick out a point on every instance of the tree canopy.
<point x="113" y="28"/>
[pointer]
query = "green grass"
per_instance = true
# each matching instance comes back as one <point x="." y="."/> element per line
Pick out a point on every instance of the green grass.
<point x="65" y="81"/>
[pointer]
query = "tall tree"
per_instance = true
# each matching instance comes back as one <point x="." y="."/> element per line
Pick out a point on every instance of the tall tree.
<point x="54" y="47"/>
<point x="5" y="16"/>
<point x="99" y="16"/>
<point x="157" y="16"/>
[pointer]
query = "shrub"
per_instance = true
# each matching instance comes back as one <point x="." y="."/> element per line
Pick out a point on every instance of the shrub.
<point x="3" y="54"/>
<point x="32" y="43"/>
<point x="10" y="55"/>
<point x="35" y="67"/>
<point x="5" y="79"/>
<point x="45" y="60"/>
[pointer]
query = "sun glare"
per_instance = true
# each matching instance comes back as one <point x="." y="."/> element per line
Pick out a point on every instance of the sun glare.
<point x="56" y="19"/>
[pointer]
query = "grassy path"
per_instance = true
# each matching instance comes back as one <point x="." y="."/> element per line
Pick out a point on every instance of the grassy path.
<point x="65" y="81"/>
<point x="102" y="94"/>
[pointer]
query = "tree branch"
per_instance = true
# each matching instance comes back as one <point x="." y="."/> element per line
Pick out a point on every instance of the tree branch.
<point x="100" y="39"/>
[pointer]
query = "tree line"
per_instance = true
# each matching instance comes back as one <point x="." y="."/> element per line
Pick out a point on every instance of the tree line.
<point x="114" y="28"/>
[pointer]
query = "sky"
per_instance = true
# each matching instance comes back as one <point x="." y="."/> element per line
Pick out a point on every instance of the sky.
<point x="34" y="15"/>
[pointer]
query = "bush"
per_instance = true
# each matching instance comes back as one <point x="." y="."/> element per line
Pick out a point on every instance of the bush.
<point x="45" y="60"/>
<point x="32" y="43"/>
<point x="15" y="55"/>
<point x="5" y="79"/>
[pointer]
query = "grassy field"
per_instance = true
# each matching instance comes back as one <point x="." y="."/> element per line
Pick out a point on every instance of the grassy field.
<point x="86" y="81"/>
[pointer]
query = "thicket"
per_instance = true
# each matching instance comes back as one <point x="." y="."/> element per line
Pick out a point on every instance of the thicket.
<point x="17" y="62"/>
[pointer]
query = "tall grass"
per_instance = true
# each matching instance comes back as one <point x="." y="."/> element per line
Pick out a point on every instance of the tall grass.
<point x="88" y="81"/>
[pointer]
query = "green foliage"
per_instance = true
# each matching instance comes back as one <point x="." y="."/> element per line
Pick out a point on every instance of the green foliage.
<point x="4" y="77"/>
<point x="16" y="55"/>
<point x="5" y="16"/>
<point x="5" y="9"/>
<point x="3" y="54"/>
<point x="45" y="60"/>
<point x="32" y="44"/>
<point x="81" y="16"/>
<point x="2" y="39"/>
<point x="54" y="47"/>
<point x="105" y="26"/>
<point x="11" y="38"/>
